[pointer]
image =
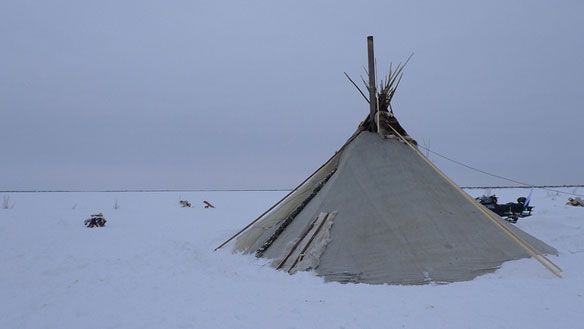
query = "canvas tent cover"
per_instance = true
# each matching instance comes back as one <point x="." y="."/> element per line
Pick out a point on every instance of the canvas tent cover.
<point x="398" y="221"/>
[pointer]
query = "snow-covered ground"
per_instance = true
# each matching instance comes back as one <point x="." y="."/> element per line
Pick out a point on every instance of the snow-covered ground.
<point x="153" y="266"/>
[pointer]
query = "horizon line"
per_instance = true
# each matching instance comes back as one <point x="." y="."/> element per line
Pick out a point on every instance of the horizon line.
<point x="255" y="190"/>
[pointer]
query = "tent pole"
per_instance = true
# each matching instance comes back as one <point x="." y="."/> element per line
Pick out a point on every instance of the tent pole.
<point x="372" y="91"/>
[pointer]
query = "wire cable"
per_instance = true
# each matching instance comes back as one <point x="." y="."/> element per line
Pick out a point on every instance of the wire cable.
<point x="497" y="176"/>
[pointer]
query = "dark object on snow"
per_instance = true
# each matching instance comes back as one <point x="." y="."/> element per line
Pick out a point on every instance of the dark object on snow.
<point x="510" y="211"/>
<point x="185" y="203"/>
<point x="576" y="202"/>
<point x="208" y="205"/>
<point x="95" y="220"/>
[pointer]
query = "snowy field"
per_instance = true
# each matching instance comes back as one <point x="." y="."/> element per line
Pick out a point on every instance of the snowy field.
<point x="153" y="266"/>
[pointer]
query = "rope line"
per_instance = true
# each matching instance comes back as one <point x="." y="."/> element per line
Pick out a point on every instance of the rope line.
<point x="497" y="176"/>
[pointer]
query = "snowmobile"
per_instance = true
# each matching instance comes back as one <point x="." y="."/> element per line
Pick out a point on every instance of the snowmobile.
<point x="510" y="211"/>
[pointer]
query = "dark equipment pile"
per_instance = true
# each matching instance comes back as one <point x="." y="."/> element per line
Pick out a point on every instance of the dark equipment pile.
<point x="510" y="211"/>
<point x="96" y="220"/>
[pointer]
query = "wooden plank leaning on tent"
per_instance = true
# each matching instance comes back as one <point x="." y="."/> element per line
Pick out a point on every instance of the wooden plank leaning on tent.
<point x="323" y="217"/>
<point x="300" y="238"/>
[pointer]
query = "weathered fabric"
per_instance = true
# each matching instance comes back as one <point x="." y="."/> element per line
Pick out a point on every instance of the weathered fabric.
<point x="398" y="222"/>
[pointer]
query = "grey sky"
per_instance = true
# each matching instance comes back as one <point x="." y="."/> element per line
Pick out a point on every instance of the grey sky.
<point x="251" y="94"/>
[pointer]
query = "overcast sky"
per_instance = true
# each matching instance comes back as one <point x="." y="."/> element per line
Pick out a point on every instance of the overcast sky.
<point x="251" y="94"/>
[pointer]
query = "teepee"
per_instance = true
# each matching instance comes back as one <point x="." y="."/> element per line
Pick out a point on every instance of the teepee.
<point x="378" y="211"/>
